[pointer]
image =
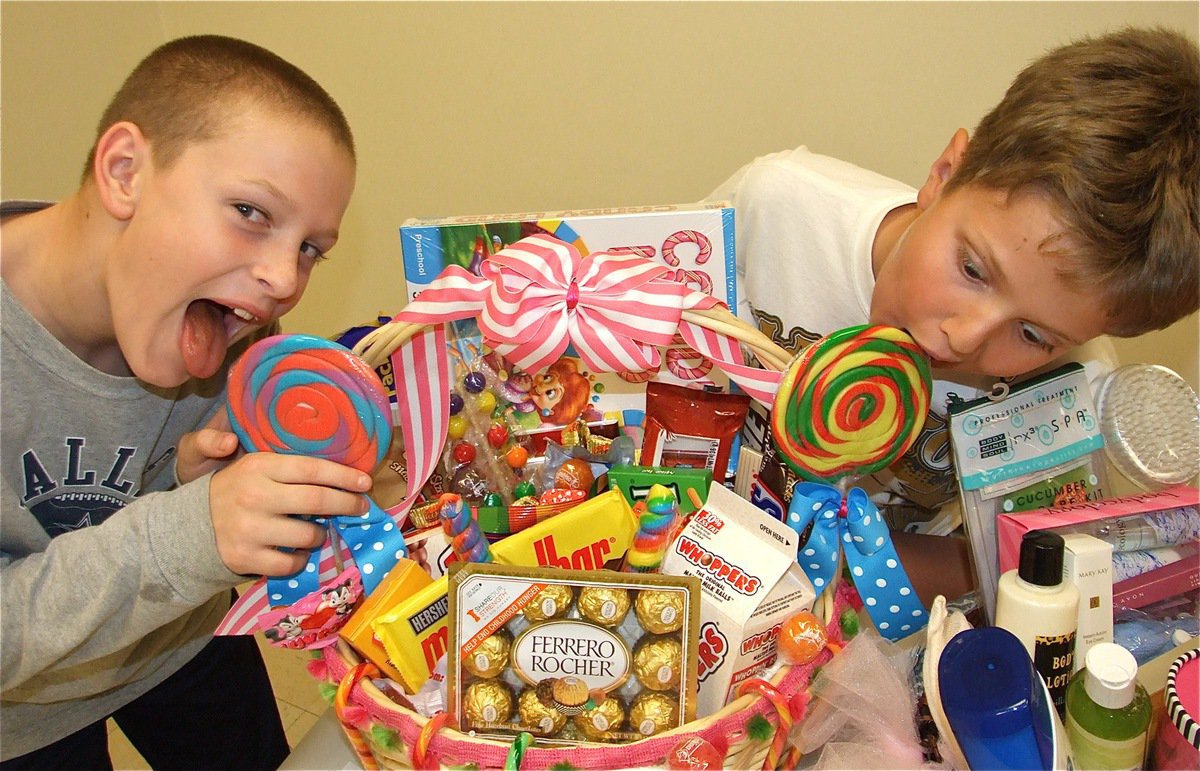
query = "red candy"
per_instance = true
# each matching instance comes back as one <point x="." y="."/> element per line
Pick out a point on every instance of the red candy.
<point x="463" y="452"/>
<point x="497" y="435"/>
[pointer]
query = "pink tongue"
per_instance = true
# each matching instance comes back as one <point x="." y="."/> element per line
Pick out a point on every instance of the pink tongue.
<point x="202" y="340"/>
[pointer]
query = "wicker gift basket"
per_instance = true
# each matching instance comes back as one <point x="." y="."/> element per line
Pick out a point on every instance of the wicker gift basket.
<point x="618" y="312"/>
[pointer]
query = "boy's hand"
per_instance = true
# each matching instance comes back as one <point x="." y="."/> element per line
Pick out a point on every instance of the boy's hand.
<point x="251" y="500"/>
<point x="206" y="450"/>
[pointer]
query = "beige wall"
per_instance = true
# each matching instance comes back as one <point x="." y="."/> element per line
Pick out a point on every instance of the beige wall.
<point x="463" y="108"/>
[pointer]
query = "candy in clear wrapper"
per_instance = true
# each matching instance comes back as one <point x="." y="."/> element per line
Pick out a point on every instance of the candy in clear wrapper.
<point x="606" y="606"/>
<point x="657" y="662"/>
<point x="487" y="702"/>
<point x="553" y="601"/>
<point x="538" y="715"/>
<point x="598" y="723"/>
<point x="659" y="612"/>
<point x="491" y="657"/>
<point x="653" y="712"/>
<point x="574" y="474"/>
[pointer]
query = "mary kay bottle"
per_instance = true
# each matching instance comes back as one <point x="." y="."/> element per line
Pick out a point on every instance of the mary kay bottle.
<point x="1041" y="609"/>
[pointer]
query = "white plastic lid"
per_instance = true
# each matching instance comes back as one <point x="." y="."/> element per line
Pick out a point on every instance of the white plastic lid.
<point x="1110" y="676"/>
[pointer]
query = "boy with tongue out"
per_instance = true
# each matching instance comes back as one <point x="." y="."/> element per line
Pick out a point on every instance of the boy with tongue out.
<point x="217" y="181"/>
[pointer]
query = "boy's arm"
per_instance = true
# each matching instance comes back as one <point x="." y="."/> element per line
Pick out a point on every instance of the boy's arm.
<point x="73" y="613"/>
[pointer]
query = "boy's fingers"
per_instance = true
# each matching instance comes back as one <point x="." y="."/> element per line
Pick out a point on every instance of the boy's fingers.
<point x="304" y="470"/>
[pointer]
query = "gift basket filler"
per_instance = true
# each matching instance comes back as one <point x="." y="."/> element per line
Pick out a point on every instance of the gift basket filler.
<point x="576" y="626"/>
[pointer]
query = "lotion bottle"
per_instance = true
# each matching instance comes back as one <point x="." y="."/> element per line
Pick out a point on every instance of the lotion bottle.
<point x="1108" y="711"/>
<point x="1041" y="610"/>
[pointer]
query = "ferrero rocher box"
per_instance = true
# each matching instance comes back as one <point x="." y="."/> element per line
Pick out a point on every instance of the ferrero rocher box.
<point x="571" y="656"/>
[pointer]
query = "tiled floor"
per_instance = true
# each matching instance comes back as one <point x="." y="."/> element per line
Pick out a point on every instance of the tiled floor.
<point x="296" y="692"/>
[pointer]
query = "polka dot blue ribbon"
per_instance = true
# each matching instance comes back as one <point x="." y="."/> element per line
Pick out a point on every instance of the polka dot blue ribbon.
<point x="853" y="525"/>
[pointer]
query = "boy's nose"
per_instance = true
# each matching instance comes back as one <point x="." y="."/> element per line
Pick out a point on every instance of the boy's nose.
<point x="278" y="272"/>
<point x="967" y="331"/>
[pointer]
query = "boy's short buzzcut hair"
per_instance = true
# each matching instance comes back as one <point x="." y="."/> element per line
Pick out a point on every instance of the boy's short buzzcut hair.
<point x="184" y="90"/>
<point x="1108" y="129"/>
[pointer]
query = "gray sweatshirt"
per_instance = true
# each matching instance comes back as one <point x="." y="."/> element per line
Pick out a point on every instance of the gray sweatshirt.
<point x="110" y="579"/>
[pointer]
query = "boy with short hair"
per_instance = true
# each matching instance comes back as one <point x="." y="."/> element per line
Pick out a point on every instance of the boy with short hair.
<point x="1072" y="213"/>
<point x="218" y="179"/>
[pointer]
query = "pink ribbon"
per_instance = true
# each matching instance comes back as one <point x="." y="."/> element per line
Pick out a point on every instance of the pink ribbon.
<point x="532" y="300"/>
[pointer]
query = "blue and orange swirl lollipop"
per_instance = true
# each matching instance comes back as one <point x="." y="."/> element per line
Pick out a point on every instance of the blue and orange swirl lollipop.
<point x="304" y="395"/>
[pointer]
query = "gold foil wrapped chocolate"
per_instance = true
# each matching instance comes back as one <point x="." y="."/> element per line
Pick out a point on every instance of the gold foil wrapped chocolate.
<point x="538" y="716"/>
<point x="658" y="663"/>
<point x="552" y="602"/>
<point x="598" y="723"/>
<point x="487" y="702"/>
<point x="570" y="695"/>
<point x="660" y="612"/>
<point x="653" y="712"/>
<point x="606" y="605"/>
<point x="491" y="657"/>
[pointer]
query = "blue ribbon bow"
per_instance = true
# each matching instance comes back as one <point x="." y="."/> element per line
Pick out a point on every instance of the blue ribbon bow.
<point x="374" y="541"/>
<point x="855" y="523"/>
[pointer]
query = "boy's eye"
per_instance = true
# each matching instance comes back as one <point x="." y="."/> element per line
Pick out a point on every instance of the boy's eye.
<point x="969" y="268"/>
<point x="252" y="213"/>
<point x="312" y="251"/>
<point x="1030" y="335"/>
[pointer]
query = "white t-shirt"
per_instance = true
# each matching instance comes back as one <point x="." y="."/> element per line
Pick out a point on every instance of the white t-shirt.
<point x="804" y="226"/>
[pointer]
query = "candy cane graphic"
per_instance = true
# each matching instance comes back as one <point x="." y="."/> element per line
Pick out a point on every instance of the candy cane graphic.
<point x="686" y="237"/>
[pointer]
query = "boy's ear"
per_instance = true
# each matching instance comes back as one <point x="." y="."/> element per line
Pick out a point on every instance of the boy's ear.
<point x="122" y="156"/>
<point x="942" y="169"/>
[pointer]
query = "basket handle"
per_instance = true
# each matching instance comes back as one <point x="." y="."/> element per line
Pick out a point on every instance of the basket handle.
<point x="340" y="702"/>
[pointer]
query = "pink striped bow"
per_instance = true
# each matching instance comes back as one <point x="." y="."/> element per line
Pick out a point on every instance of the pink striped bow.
<point x="540" y="295"/>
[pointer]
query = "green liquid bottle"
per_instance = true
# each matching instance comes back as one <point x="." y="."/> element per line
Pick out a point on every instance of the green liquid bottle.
<point x="1108" y="711"/>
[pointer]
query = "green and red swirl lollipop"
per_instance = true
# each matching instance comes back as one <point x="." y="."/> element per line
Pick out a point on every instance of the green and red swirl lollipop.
<point x="851" y="403"/>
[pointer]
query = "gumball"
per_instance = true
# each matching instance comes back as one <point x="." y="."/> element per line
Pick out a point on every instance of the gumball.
<point x="485" y="402"/>
<point x="802" y="637"/>
<point x="456" y="404"/>
<point x="463" y="452"/>
<point x="457" y="427"/>
<point x="517" y="457"/>
<point x="474" y="382"/>
<point x="524" y="489"/>
<point x="497" y="435"/>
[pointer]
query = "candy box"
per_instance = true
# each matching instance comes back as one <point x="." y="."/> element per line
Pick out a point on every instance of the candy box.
<point x="1010" y="528"/>
<point x="750" y="584"/>
<point x="402" y="581"/>
<point x="688" y="484"/>
<point x="695" y="240"/>
<point x="414" y="631"/>
<point x="571" y="656"/>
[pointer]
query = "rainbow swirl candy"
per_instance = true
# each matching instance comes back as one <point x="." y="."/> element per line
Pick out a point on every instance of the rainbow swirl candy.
<point x="655" y="525"/>
<point x="466" y="539"/>
<point x="851" y="403"/>
<point x="304" y="395"/>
